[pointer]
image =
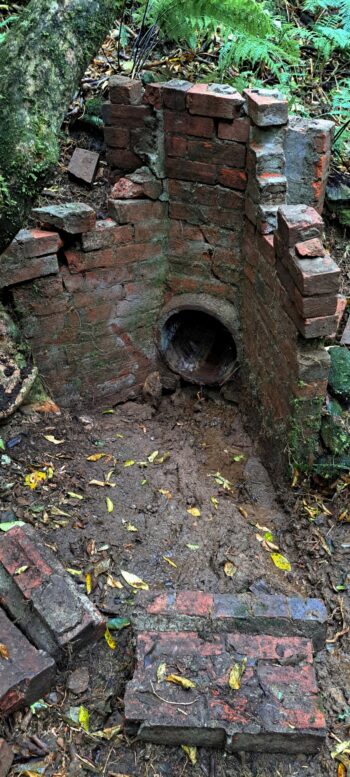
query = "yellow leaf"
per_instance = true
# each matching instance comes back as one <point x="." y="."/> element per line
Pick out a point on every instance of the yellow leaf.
<point x="4" y="652"/>
<point x="74" y="572"/>
<point x="177" y="680"/>
<point x="20" y="570"/>
<point x="281" y="562"/>
<point x="236" y="672"/>
<point x="109" y="504"/>
<point x="295" y="478"/>
<point x="96" y="456"/>
<point x="152" y="456"/>
<point x="113" y="583"/>
<point x="83" y="718"/>
<point x="58" y="511"/>
<point x="129" y="463"/>
<point x="229" y="569"/>
<point x="194" y="511"/>
<point x="243" y="511"/>
<point x="73" y="495"/>
<point x="131" y="527"/>
<point x="161" y="672"/>
<point x="162" y="459"/>
<point x="51" y="438"/>
<point x="88" y="583"/>
<point x="109" y="733"/>
<point x="342" y="770"/>
<point x="191" y="753"/>
<point x="341" y="747"/>
<point x="134" y="581"/>
<point x="214" y="501"/>
<point x="34" y="479"/>
<point x="165" y="492"/>
<point x="172" y="563"/>
<point x="109" y="639"/>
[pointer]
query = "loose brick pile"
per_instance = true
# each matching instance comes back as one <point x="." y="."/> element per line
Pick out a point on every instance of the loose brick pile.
<point x="275" y="709"/>
<point x="217" y="195"/>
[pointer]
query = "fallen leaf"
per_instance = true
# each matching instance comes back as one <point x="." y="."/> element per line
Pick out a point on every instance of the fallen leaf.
<point x="238" y="457"/>
<point x="131" y="527"/>
<point x="109" y="505"/>
<point x="108" y="734"/>
<point x="194" y="511"/>
<point x="51" y="438"/>
<point x="101" y="567"/>
<point x="88" y="583"/>
<point x="96" y="456"/>
<point x="7" y="525"/>
<point x="183" y="681"/>
<point x="74" y="572"/>
<point x="109" y="639"/>
<point x="161" y="672"/>
<point x="20" y="570"/>
<point x="192" y="546"/>
<point x="220" y="480"/>
<point x="191" y="753"/>
<point x="73" y="495"/>
<point x="342" y="770"/>
<point x="34" y="478"/>
<point x="172" y="563"/>
<point x="58" y="511"/>
<point x="236" y="673"/>
<point x="4" y="651"/>
<point x="281" y="562"/>
<point x="243" y="511"/>
<point x="229" y="569"/>
<point x="113" y="583"/>
<point x="116" y="624"/>
<point x="152" y="456"/>
<point x="107" y="412"/>
<point x="341" y="747"/>
<point x="165" y="492"/>
<point x="162" y="459"/>
<point x="83" y="717"/>
<point x="129" y="463"/>
<point x="134" y="581"/>
<point x="214" y="501"/>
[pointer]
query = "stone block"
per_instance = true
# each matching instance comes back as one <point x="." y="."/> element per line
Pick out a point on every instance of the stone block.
<point x="6" y="758"/>
<point x="30" y="243"/>
<point x="71" y="217"/>
<point x="217" y="100"/>
<point x="174" y="94"/>
<point x="13" y="271"/>
<point x="26" y="675"/>
<point x="127" y="91"/>
<point x="266" y="107"/>
<point x="275" y="709"/>
<point x="297" y="223"/>
<point x="43" y="598"/>
<point x="83" y="165"/>
<point x="105" y="235"/>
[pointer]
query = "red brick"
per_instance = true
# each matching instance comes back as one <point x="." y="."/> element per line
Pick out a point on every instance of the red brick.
<point x="229" y="154"/>
<point x="25" y="676"/>
<point x="234" y="179"/>
<point x="194" y="603"/>
<point x="174" y="94"/>
<point x="105" y="235"/>
<point x="13" y="271"/>
<point x="123" y="159"/>
<point x="190" y="171"/>
<point x="43" y="298"/>
<point x="297" y="223"/>
<point x="314" y="276"/>
<point x="83" y="165"/>
<point x="117" y="137"/>
<point x="124" y="211"/>
<point x="44" y="600"/>
<point x="30" y="243"/>
<point x="237" y="130"/>
<point x="149" y="231"/>
<point x="184" y="231"/>
<point x="153" y="95"/>
<point x="183" y="124"/>
<point x="175" y="146"/>
<point x="117" y="256"/>
<point x="203" y="100"/>
<point x="6" y="758"/>
<point x="310" y="248"/>
<point x="130" y="116"/>
<point x="266" y="107"/>
<point x="125" y="90"/>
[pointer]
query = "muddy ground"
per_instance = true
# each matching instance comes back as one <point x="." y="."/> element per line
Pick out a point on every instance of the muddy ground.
<point x="196" y="435"/>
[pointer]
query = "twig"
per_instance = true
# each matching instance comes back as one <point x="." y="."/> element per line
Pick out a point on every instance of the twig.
<point x="177" y="703"/>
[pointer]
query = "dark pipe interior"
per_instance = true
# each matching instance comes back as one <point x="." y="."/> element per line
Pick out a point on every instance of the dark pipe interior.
<point x="198" y="347"/>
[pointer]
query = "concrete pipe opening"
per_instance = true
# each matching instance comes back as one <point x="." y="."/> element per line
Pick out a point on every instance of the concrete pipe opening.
<point x="199" y="347"/>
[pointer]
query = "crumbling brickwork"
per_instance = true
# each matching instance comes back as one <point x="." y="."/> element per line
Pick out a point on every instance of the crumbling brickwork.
<point x="215" y="204"/>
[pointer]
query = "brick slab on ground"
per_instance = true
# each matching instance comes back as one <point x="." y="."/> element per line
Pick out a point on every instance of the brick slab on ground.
<point x="276" y="708"/>
<point x="43" y="599"/>
<point x="26" y="674"/>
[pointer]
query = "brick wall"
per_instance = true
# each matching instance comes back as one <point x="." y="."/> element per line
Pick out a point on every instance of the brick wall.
<point x="216" y="198"/>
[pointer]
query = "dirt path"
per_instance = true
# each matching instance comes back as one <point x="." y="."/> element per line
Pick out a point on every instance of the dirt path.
<point x="154" y="531"/>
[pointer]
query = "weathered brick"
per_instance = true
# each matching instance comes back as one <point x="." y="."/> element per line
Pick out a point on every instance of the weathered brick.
<point x="124" y="211"/>
<point x="30" y="243"/>
<point x="130" y="116"/>
<point x="123" y="159"/>
<point x="125" y="90"/>
<point x="237" y="130"/>
<point x="184" y="124"/>
<point x="266" y="107"/>
<point x="217" y="100"/>
<point x="204" y="194"/>
<point x="44" y="600"/>
<point x="175" y="146"/>
<point x="127" y="189"/>
<point x="6" y="758"/>
<point x="150" y="231"/>
<point x="83" y="165"/>
<point x="106" y="234"/>
<point x="174" y="94"/>
<point x="256" y="717"/>
<point x="268" y="188"/>
<point x="14" y="271"/>
<point x="307" y="307"/>
<point x="72" y="217"/>
<point x="233" y="179"/>
<point x="265" y="158"/>
<point x="190" y="171"/>
<point x="313" y="276"/>
<point x="310" y="248"/>
<point x="219" y="153"/>
<point x="44" y="297"/>
<point x="297" y="223"/>
<point x="117" y="137"/>
<point x="115" y="256"/>
<point x="153" y="95"/>
<point x="26" y="675"/>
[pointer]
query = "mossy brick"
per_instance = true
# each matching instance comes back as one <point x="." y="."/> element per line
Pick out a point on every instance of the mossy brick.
<point x="339" y="374"/>
<point x="131" y="211"/>
<point x="13" y="271"/>
<point x="30" y="243"/>
<point x="105" y="235"/>
<point x="216" y="100"/>
<point x="335" y="432"/>
<point x="44" y="600"/>
<point x="71" y="217"/>
<point x="174" y="94"/>
<point x="45" y="296"/>
<point x="123" y="90"/>
<point x="237" y="130"/>
<point x="297" y="223"/>
<point x="185" y="124"/>
<point x="6" y="758"/>
<point x="25" y="676"/>
<point x="266" y="107"/>
<point x="255" y="717"/>
<point x="117" y="256"/>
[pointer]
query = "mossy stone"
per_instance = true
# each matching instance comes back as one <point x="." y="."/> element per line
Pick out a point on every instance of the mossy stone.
<point x="329" y="466"/>
<point x="335" y="433"/>
<point x="339" y="374"/>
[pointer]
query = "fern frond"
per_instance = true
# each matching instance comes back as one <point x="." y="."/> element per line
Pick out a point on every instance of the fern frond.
<point x="180" y="18"/>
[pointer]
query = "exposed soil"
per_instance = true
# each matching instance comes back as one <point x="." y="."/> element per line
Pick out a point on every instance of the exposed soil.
<point x="196" y="436"/>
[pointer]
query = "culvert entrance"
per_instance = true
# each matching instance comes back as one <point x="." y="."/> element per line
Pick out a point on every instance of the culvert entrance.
<point x="198" y="346"/>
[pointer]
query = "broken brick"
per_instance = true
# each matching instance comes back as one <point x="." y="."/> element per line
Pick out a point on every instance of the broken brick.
<point x="106" y="234"/>
<point x="26" y="675"/>
<point x="127" y="91"/>
<point x="6" y="758"/>
<point x="71" y="217"/>
<point x="266" y="107"/>
<point x="310" y="248"/>
<point x="83" y="165"/>
<point x="14" y="271"/>
<point x="298" y="223"/>
<point x="141" y="183"/>
<point x="30" y="243"/>
<point x="44" y="600"/>
<point x="217" y="100"/>
<point x="174" y="94"/>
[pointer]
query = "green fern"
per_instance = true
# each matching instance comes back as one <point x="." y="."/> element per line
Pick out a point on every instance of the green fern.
<point x="331" y="30"/>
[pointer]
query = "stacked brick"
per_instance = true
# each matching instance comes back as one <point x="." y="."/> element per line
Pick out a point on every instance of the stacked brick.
<point x="307" y="148"/>
<point x="130" y="127"/>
